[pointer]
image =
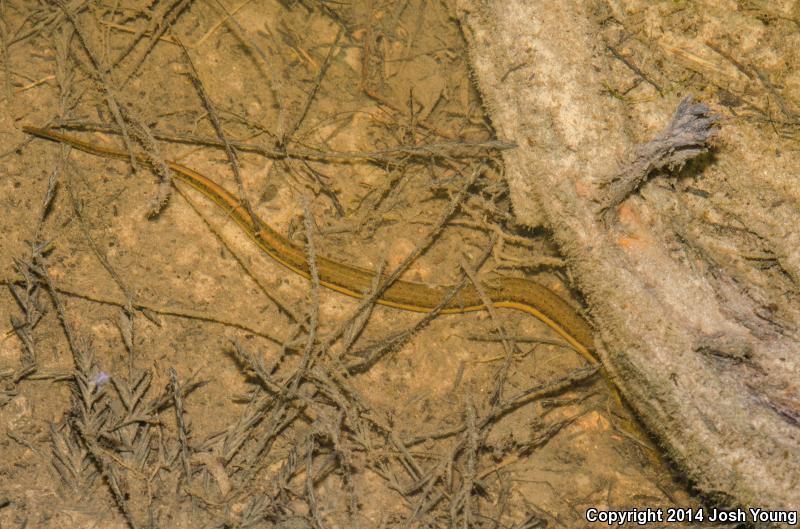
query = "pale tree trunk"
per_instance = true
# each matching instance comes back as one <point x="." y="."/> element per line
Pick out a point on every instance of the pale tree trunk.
<point x="691" y="278"/>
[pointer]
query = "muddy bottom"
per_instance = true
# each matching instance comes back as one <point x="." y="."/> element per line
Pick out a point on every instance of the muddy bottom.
<point x="158" y="368"/>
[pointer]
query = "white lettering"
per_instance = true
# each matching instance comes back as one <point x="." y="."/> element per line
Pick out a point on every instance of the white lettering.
<point x="620" y="518"/>
<point x="760" y="515"/>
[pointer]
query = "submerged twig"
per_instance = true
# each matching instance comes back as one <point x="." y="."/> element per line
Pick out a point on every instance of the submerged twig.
<point x="686" y="137"/>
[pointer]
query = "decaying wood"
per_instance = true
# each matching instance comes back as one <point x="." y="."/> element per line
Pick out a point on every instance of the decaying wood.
<point x="691" y="281"/>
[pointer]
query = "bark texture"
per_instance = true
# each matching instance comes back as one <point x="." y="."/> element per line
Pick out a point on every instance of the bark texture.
<point x="691" y="281"/>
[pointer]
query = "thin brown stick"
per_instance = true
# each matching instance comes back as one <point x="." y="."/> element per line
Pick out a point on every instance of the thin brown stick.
<point x="289" y="133"/>
<point x="508" y="345"/>
<point x="177" y="399"/>
<point x="308" y="223"/>
<point x="6" y="57"/>
<point x="244" y="37"/>
<point x="154" y="308"/>
<point x="392" y="155"/>
<point x="157" y="27"/>
<point x="322" y="180"/>
<point x="105" y="82"/>
<point x="99" y="254"/>
<point x="632" y="67"/>
<point x="565" y="383"/>
<point x="212" y="116"/>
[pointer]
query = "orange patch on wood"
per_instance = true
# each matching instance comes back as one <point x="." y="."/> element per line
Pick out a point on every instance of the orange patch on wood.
<point x="582" y="189"/>
<point x="594" y="422"/>
<point x="631" y="243"/>
<point x="628" y="215"/>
